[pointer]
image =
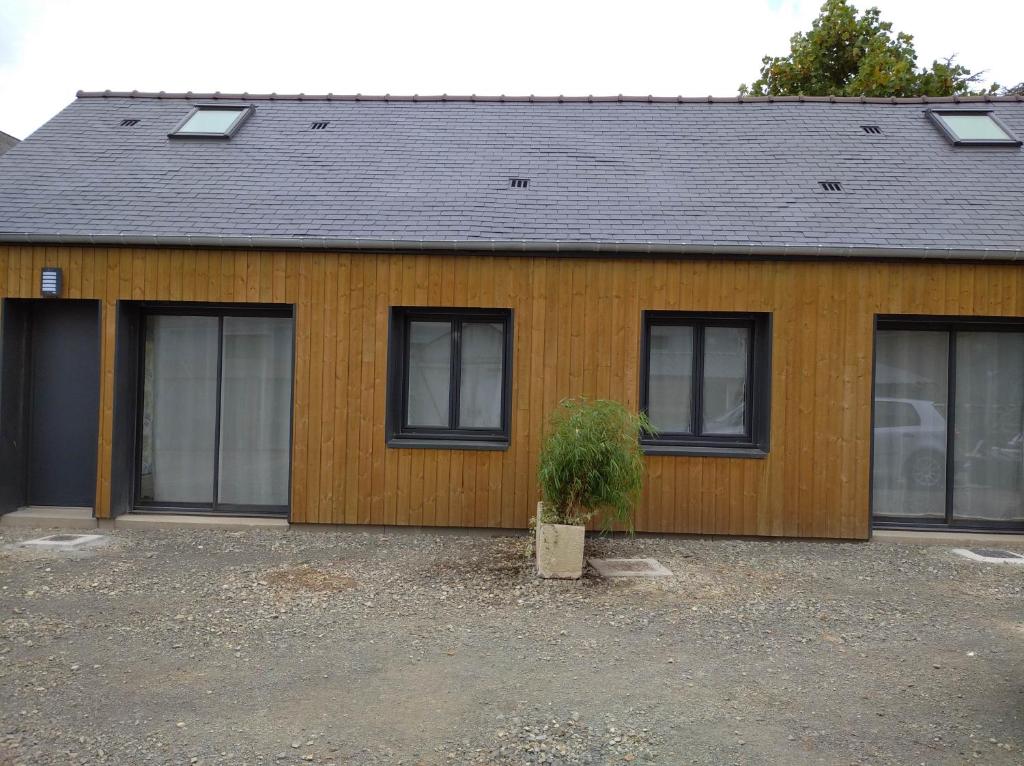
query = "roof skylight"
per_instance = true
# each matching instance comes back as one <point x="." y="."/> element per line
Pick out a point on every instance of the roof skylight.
<point x="213" y="121"/>
<point x="972" y="127"/>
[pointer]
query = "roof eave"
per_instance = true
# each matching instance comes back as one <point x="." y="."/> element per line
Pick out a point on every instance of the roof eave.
<point x="562" y="247"/>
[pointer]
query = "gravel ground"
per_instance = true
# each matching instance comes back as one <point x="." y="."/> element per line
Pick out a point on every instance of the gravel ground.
<point x="257" y="647"/>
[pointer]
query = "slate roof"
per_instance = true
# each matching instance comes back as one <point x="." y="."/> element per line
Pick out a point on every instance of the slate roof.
<point x="7" y="142"/>
<point x="687" y="175"/>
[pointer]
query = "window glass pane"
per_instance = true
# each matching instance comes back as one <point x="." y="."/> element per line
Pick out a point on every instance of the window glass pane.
<point x="179" y="409"/>
<point x="256" y="393"/>
<point x="210" y="121"/>
<point x="911" y="373"/>
<point x="480" y="381"/>
<point x="429" y="370"/>
<point x="976" y="127"/>
<point x="670" y="378"/>
<point x="896" y="413"/>
<point x="988" y="462"/>
<point x="726" y="351"/>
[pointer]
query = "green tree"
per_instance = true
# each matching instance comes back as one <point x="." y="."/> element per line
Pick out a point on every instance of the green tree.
<point x="846" y="54"/>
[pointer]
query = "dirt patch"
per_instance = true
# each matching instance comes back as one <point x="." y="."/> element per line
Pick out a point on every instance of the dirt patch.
<point x="310" y="578"/>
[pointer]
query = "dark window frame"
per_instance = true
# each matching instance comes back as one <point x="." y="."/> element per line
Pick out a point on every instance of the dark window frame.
<point x="952" y="326"/>
<point x="937" y="115"/>
<point x="757" y="410"/>
<point x="245" y="111"/>
<point x="399" y="434"/>
<point x="219" y="311"/>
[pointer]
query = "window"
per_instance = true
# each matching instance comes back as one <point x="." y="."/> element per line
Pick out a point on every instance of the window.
<point x="972" y="127"/>
<point x="450" y="378"/>
<point x="948" y="423"/>
<point x="215" y="423"/>
<point x="212" y="121"/>
<point x="704" y="383"/>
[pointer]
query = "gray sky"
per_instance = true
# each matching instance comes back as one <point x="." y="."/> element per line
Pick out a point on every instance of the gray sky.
<point x="51" y="48"/>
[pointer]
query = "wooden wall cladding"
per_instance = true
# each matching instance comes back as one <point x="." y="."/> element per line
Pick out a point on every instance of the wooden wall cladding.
<point x="577" y="325"/>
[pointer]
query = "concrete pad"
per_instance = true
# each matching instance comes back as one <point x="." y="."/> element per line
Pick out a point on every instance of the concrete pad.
<point x="65" y="542"/>
<point x="169" y="520"/>
<point x="969" y="539"/>
<point x="629" y="568"/>
<point x="49" y="517"/>
<point x="990" y="556"/>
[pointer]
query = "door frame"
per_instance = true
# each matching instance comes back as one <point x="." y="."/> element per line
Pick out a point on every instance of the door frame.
<point x="16" y="394"/>
<point x="952" y="325"/>
<point x="148" y="309"/>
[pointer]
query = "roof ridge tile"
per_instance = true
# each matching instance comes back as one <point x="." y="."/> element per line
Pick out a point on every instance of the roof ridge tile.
<point x="560" y="99"/>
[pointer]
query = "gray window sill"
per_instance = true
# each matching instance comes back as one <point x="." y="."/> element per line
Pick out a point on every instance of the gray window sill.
<point x="692" y="450"/>
<point x="455" y="444"/>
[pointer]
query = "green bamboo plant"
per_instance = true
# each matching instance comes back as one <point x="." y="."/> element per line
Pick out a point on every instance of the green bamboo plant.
<point x="591" y="463"/>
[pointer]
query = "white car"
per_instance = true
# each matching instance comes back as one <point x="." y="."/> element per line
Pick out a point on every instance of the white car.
<point x="910" y="442"/>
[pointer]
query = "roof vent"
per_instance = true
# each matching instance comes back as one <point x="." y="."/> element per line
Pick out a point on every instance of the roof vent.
<point x="831" y="186"/>
<point x="319" y="126"/>
<point x="873" y="129"/>
<point x="129" y="123"/>
<point x="518" y="183"/>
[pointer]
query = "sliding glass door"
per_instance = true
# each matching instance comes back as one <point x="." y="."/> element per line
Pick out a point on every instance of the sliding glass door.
<point x="215" y="420"/>
<point x="949" y="424"/>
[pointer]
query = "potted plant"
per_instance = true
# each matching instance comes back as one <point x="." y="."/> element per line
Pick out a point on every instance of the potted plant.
<point x="590" y="465"/>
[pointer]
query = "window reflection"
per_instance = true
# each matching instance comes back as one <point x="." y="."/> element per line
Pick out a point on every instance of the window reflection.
<point x="911" y="382"/>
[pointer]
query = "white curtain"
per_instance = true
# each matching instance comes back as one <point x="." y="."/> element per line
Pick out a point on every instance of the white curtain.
<point x="179" y="426"/>
<point x="989" y="422"/>
<point x="670" y="378"/>
<point x="430" y="369"/>
<point x="255" y="411"/>
<point x="726" y="352"/>
<point x="179" y="409"/>
<point x="480" y="382"/>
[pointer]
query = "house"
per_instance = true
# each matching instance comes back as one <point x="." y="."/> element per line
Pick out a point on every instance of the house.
<point x="362" y="310"/>
<point x="7" y="142"/>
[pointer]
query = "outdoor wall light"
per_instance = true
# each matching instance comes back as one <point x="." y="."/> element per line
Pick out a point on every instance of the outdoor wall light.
<point x="50" y="282"/>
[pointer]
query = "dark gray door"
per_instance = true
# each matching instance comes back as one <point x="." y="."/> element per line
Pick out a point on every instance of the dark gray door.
<point x="64" y="403"/>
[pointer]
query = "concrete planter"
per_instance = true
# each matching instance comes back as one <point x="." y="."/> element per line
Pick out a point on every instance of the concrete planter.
<point x="559" y="550"/>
